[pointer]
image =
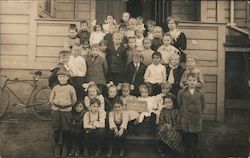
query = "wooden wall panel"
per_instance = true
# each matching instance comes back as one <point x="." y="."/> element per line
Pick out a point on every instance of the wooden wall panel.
<point x="184" y="10"/>
<point x="10" y="7"/>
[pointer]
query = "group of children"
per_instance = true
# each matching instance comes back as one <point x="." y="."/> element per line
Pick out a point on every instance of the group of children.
<point x="100" y="72"/>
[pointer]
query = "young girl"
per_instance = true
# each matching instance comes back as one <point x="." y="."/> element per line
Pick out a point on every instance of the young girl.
<point x="169" y="127"/>
<point x="77" y="68"/>
<point x="138" y="39"/>
<point x="85" y="48"/>
<point x="117" y="59"/>
<point x="62" y="98"/>
<point x="97" y="35"/>
<point x="140" y="23"/>
<point x="131" y="27"/>
<point x="147" y="52"/>
<point x="93" y="92"/>
<point x="131" y="48"/>
<point x="167" y="50"/>
<point x="94" y="127"/>
<point x="191" y="101"/>
<point x="150" y="24"/>
<point x="103" y="48"/>
<point x="72" y="37"/>
<point x="76" y="131"/>
<point x="108" y="21"/>
<point x="111" y="97"/>
<point x="97" y="67"/>
<point x="191" y="67"/>
<point x="118" y="123"/>
<point x="153" y="112"/>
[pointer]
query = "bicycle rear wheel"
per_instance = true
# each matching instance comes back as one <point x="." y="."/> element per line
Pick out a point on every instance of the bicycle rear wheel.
<point x="4" y="101"/>
<point x="41" y="106"/>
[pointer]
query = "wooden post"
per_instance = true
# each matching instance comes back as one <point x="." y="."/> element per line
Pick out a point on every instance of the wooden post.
<point x="221" y="74"/>
<point x="220" y="17"/>
<point x="33" y="13"/>
<point x="203" y="11"/>
<point x="93" y="10"/>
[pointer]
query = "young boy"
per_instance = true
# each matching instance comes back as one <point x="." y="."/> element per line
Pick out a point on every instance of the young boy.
<point x="191" y="67"/>
<point x="167" y="50"/>
<point x="62" y="98"/>
<point x="191" y="101"/>
<point x="118" y="123"/>
<point x="150" y="24"/>
<point x="131" y="48"/>
<point x="155" y="74"/>
<point x="103" y="45"/>
<point x="94" y="127"/>
<point x="157" y="40"/>
<point x="174" y="73"/>
<point x="125" y="18"/>
<point x="122" y="29"/>
<point x="116" y="58"/>
<point x="147" y="52"/>
<point x="83" y="34"/>
<point x="72" y="38"/>
<point x="108" y="36"/>
<point x="77" y="69"/>
<point x="63" y="64"/>
<point x="134" y="73"/>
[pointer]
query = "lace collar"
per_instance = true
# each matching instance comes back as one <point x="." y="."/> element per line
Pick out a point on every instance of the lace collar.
<point x="175" y="34"/>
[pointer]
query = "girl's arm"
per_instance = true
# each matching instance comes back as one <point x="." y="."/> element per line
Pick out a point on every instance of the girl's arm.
<point x="112" y="124"/>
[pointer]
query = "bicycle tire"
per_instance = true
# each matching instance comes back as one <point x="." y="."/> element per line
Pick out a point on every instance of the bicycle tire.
<point x="41" y="107"/>
<point x="4" y="102"/>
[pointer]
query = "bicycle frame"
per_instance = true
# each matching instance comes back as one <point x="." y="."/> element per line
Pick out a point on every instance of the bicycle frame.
<point x="32" y="83"/>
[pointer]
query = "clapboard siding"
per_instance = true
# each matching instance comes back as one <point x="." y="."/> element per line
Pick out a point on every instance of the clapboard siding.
<point x="184" y="10"/>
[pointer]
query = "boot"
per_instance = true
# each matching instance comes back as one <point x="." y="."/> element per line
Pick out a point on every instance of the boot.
<point x="110" y="151"/>
<point x="57" y="151"/>
<point x="85" y="152"/>
<point x="98" y="151"/>
<point x="72" y="151"/>
<point x="121" y="151"/>
<point x="65" y="151"/>
<point x="77" y="151"/>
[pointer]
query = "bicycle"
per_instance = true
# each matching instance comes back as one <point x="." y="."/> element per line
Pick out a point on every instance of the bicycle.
<point x="38" y="99"/>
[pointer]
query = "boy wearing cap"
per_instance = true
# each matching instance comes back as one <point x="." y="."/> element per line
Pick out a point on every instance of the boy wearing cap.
<point x="62" y="98"/>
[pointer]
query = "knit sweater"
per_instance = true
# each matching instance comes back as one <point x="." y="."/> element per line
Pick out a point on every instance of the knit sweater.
<point x="155" y="74"/>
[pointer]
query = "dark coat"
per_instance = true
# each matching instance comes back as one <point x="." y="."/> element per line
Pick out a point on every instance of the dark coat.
<point x="178" y="72"/>
<point x="129" y="73"/>
<point x="83" y="35"/>
<point x="156" y="43"/>
<point x="191" y="107"/>
<point x="181" y="44"/>
<point x="96" y="70"/>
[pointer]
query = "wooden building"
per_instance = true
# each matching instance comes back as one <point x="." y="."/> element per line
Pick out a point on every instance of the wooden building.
<point x="33" y="32"/>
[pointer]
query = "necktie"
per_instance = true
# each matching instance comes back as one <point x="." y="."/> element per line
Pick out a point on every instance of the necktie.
<point x="171" y="76"/>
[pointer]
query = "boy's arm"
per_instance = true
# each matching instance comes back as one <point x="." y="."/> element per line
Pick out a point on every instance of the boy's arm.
<point x="101" y="122"/>
<point x="52" y="96"/>
<point x="105" y="66"/>
<point x="125" y="118"/>
<point x="112" y="124"/>
<point x="86" y="121"/>
<point x="147" y="74"/>
<point x="73" y="96"/>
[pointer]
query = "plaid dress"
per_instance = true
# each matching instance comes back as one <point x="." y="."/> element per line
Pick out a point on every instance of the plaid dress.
<point x="170" y="135"/>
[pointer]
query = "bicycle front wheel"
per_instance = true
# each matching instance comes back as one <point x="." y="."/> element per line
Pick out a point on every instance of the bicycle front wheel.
<point x="4" y="101"/>
<point x="41" y="106"/>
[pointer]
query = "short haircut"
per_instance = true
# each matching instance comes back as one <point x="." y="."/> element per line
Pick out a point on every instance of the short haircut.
<point x="118" y="101"/>
<point x="174" y="55"/>
<point x="84" y="22"/>
<point x="172" y="97"/>
<point x="95" y="101"/>
<point x="73" y="27"/>
<point x="95" y="45"/>
<point x="117" y="34"/>
<point x="103" y="42"/>
<point x="193" y="75"/>
<point x="167" y="34"/>
<point x="144" y="86"/>
<point x="151" y="22"/>
<point x="171" y="18"/>
<point x="64" y="53"/>
<point x="156" y="54"/>
<point x="98" y="23"/>
<point x="122" y="26"/>
<point x="158" y="27"/>
<point x="146" y="39"/>
<point x="192" y="57"/>
<point x="137" y="54"/>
